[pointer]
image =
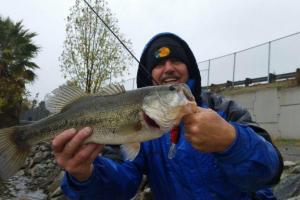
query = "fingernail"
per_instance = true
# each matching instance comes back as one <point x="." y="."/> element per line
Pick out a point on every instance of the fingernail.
<point x="73" y="131"/>
<point x="53" y="142"/>
<point x="87" y="131"/>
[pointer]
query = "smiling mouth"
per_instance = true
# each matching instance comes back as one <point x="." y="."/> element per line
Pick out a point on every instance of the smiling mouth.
<point x="170" y="80"/>
<point x="150" y="121"/>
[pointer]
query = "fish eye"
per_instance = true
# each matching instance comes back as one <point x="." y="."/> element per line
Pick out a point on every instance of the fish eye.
<point x="172" y="88"/>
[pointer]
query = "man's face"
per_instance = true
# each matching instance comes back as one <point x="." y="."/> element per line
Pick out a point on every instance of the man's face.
<point x="169" y="71"/>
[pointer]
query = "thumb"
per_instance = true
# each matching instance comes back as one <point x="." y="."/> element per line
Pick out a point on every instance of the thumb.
<point x="189" y="108"/>
<point x="200" y="109"/>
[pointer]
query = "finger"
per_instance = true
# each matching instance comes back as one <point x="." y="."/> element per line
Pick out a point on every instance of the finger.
<point x="96" y="152"/>
<point x="186" y="118"/>
<point x="84" y="154"/>
<point x="201" y="109"/>
<point x="60" y="140"/>
<point x="200" y="145"/>
<point x="193" y="129"/>
<point x="195" y="140"/>
<point x="190" y="119"/>
<point x="190" y="107"/>
<point x="191" y="132"/>
<point x="76" y="142"/>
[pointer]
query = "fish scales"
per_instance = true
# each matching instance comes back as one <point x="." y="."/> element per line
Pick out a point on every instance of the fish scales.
<point x="105" y="119"/>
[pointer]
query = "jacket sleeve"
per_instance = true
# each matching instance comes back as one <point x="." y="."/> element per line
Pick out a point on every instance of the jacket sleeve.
<point x="252" y="161"/>
<point x="110" y="180"/>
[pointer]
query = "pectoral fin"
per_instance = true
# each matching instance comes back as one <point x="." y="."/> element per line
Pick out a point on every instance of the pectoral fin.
<point x="130" y="151"/>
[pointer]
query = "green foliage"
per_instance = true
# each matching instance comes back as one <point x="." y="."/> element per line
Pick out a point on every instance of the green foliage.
<point x="91" y="53"/>
<point x="16" y="68"/>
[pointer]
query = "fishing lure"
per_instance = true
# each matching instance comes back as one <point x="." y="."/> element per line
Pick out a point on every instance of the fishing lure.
<point x="174" y="136"/>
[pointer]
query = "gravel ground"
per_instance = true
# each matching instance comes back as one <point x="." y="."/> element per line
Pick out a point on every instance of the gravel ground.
<point x="290" y="152"/>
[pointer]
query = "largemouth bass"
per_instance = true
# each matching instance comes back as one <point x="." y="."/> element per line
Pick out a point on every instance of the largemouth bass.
<point x="116" y="116"/>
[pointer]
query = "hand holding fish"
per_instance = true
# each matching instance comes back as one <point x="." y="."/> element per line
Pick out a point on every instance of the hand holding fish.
<point x="74" y="156"/>
<point x="207" y="131"/>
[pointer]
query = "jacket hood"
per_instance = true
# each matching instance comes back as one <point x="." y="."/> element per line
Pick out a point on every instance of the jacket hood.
<point x="144" y="72"/>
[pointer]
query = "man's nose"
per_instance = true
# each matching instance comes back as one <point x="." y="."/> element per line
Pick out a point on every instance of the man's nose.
<point x="168" y="66"/>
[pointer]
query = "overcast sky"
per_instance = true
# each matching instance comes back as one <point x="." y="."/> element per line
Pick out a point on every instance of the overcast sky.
<point x="212" y="28"/>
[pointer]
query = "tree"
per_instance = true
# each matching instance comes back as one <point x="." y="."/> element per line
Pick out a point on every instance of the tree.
<point x="91" y="54"/>
<point x="16" y="68"/>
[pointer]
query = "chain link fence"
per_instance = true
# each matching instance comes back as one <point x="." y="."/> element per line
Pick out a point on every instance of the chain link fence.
<point x="277" y="57"/>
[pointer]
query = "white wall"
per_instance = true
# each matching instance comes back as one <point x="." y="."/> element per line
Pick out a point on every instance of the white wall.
<point x="276" y="110"/>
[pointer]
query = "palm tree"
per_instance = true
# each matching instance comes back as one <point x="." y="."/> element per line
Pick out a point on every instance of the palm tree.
<point x="16" y="68"/>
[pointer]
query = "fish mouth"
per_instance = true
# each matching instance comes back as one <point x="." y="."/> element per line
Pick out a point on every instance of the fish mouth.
<point x="150" y="122"/>
<point x="188" y="94"/>
<point x="184" y="89"/>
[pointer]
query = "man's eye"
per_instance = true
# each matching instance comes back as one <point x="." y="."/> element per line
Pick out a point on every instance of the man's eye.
<point x="176" y="61"/>
<point x="159" y="65"/>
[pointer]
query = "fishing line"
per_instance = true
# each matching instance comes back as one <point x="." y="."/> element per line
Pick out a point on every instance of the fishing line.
<point x="141" y="65"/>
<point x="172" y="149"/>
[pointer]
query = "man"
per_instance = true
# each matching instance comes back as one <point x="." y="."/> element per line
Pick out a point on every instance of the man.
<point x="220" y="153"/>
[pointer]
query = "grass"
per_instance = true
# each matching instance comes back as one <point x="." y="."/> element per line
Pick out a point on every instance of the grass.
<point x="242" y="89"/>
<point x="289" y="142"/>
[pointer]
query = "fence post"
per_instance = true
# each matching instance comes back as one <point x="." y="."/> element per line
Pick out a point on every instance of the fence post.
<point x="269" y="60"/>
<point x="208" y="71"/>
<point x="298" y="76"/>
<point x="133" y="81"/>
<point x="233" y="73"/>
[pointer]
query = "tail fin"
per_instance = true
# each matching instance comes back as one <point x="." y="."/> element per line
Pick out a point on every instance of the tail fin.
<point x="12" y="153"/>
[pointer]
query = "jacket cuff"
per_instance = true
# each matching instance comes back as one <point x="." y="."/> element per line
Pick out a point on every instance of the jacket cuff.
<point x="242" y="147"/>
<point x="79" y="185"/>
<point x="84" y="185"/>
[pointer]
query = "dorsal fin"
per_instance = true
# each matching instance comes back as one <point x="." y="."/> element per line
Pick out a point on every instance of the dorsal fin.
<point x="61" y="97"/>
<point x="111" y="89"/>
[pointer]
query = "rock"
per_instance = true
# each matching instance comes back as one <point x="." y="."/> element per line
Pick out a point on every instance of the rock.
<point x="46" y="154"/>
<point x="56" y="193"/>
<point x="39" y="170"/>
<point x="45" y="147"/>
<point x="147" y="194"/>
<point x="38" y="157"/>
<point x="55" y="183"/>
<point x="50" y="165"/>
<point x="59" y="198"/>
<point x="295" y="170"/>
<point x="288" y="164"/>
<point x="288" y="187"/>
<point x="34" y="149"/>
<point x="20" y="173"/>
<point x="294" y="198"/>
<point x="29" y="162"/>
<point x="41" y="182"/>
